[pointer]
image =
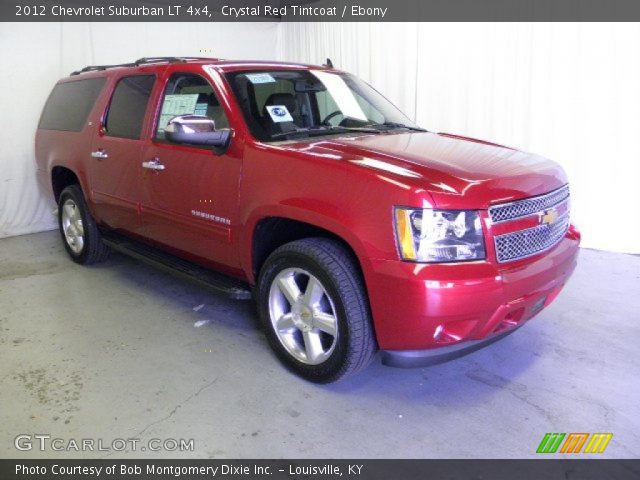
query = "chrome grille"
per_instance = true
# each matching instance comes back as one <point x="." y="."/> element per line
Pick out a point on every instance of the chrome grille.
<point x="525" y="243"/>
<point x="528" y="206"/>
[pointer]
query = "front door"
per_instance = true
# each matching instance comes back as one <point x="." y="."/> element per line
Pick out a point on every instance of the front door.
<point x="189" y="195"/>
<point x="114" y="168"/>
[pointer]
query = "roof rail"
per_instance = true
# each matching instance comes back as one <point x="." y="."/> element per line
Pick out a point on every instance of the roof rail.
<point x="93" y="68"/>
<point x="141" y="61"/>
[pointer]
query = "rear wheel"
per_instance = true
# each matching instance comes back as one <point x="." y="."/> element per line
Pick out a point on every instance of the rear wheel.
<point x="79" y="231"/>
<point x="314" y="310"/>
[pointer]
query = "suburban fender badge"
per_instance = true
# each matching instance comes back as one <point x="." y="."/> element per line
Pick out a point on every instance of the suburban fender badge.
<point x="211" y="217"/>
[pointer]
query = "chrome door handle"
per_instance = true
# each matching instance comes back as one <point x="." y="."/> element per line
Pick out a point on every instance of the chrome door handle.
<point x="153" y="165"/>
<point x="99" y="154"/>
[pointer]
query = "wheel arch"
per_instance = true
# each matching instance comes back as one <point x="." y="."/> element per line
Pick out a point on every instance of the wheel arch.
<point x="61" y="178"/>
<point x="271" y="232"/>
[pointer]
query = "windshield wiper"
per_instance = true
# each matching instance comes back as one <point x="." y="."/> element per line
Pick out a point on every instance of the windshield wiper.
<point x="399" y="125"/>
<point x="312" y="131"/>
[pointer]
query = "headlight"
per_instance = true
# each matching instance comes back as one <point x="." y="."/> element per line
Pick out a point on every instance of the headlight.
<point x="426" y="235"/>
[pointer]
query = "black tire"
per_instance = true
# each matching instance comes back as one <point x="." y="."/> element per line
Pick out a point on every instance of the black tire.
<point x="93" y="249"/>
<point x="333" y="265"/>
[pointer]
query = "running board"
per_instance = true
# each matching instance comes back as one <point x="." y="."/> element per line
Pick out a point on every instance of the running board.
<point x="209" y="279"/>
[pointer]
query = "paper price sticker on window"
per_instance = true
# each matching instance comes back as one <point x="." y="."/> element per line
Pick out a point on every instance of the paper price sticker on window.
<point x="174" y="105"/>
<point x="279" y="113"/>
<point x="260" y="78"/>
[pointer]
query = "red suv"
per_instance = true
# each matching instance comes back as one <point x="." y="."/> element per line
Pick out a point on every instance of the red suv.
<point x="302" y="186"/>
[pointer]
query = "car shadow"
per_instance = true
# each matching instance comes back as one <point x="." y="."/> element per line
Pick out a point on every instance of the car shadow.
<point x="467" y="380"/>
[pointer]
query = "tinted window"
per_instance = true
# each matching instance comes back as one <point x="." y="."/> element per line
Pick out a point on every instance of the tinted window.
<point x="188" y="94"/>
<point x="70" y="103"/>
<point x="128" y="106"/>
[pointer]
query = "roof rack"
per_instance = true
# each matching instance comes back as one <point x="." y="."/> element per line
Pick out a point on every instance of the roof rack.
<point x="141" y="61"/>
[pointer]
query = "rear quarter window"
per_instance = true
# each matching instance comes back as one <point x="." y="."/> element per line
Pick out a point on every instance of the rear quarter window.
<point x="70" y="103"/>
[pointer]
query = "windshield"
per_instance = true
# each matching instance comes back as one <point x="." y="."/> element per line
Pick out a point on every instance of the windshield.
<point x="282" y="104"/>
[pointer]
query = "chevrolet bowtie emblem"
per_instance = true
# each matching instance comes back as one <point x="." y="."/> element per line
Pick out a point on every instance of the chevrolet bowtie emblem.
<point x="549" y="216"/>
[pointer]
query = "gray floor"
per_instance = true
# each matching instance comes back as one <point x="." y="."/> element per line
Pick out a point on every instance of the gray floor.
<point x="114" y="351"/>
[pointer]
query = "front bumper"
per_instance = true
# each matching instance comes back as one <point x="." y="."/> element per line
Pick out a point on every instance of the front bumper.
<point x="434" y="356"/>
<point x="460" y="307"/>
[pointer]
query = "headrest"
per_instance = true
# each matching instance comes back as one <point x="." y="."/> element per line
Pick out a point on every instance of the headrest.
<point x="208" y="98"/>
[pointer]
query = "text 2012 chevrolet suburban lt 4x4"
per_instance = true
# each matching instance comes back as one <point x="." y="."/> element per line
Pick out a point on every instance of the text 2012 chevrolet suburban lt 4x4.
<point x="353" y="228"/>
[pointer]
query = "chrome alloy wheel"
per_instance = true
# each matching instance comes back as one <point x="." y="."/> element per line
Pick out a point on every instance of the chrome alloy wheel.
<point x="72" y="226"/>
<point x="303" y="316"/>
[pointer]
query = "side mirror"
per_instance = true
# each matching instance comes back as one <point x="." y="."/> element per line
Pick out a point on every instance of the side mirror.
<point x="197" y="130"/>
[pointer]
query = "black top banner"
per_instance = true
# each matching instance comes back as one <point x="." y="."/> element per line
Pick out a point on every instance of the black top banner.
<point x="544" y="469"/>
<point x="318" y="10"/>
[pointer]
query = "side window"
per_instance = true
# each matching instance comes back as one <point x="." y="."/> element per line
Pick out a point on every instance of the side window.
<point x="69" y="104"/>
<point x="189" y="94"/>
<point x="128" y="106"/>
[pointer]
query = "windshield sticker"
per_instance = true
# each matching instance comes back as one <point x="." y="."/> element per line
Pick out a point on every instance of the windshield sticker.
<point x="260" y="78"/>
<point x="279" y="113"/>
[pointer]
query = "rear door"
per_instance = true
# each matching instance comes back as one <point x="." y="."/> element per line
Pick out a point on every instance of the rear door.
<point x="189" y="196"/>
<point x="116" y="153"/>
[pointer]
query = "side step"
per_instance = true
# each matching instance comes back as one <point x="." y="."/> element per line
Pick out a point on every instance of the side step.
<point x="217" y="282"/>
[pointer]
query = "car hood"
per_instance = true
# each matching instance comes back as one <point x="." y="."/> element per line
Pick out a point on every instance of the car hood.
<point x="458" y="172"/>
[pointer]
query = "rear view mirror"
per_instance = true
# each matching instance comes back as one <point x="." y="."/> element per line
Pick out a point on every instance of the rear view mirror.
<point x="197" y="130"/>
<point x="306" y="86"/>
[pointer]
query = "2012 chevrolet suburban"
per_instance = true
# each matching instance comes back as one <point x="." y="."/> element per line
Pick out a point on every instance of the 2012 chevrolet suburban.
<point x="354" y="229"/>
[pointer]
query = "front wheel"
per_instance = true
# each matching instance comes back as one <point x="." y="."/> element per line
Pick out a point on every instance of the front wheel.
<point x="314" y="310"/>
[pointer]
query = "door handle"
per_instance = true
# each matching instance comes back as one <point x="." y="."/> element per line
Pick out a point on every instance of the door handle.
<point x="153" y="165"/>
<point x="101" y="154"/>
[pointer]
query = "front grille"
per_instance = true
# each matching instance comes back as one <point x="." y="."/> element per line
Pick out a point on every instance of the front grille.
<point x="525" y="243"/>
<point x="528" y="206"/>
<point x="517" y="245"/>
